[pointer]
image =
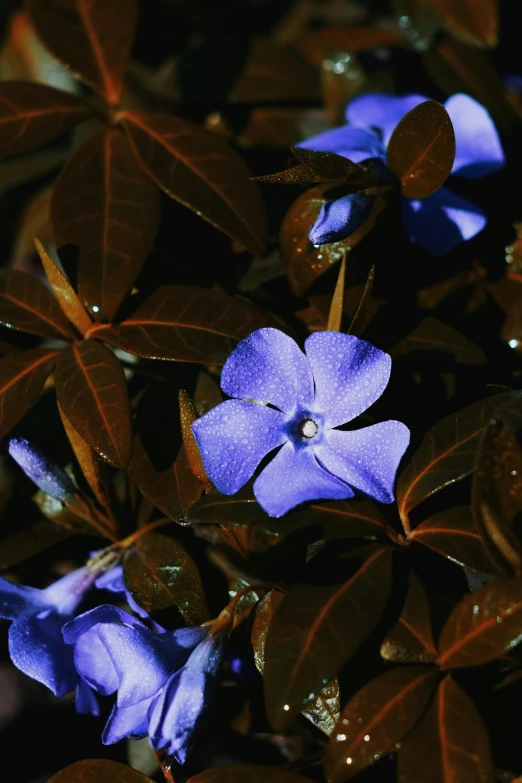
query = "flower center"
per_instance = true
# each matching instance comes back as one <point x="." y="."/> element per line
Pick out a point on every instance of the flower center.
<point x="308" y="428"/>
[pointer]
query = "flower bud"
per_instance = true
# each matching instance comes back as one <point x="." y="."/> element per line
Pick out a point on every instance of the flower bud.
<point x="48" y="476"/>
<point x="338" y="219"/>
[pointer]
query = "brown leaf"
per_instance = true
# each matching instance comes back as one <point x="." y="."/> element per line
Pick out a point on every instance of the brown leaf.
<point x="22" y="378"/>
<point x="35" y="221"/>
<point x="26" y="304"/>
<point x="21" y="170"/>
<point x="360" y="317"/>
<point x="207" y="394"/>
<point x="99" y="771"/>
<point x="434" y="335"/>
<point x="449" y="744"/>
<point x="276" y="126"/>
<point x="187" y="324"/>
<point x="483" y="626"/>
<point x="243" y="774"/>
<point x="453" y="534"/>
<point x="411" y="640"/>
<point x="92" y="37"/>
<point x="188" y="416"/>
<point x="377" y="718"/>
<point x="91" y="389"/>
<point x="318" y="45"/>
<point x="32" y="115"/>
<point x="29" y="542"/>
<point x="201" y="171"/>
<point x="160" y="573"/>
<point x="105" y="204"/>
<point x="336" y="308"/>
<point x="471" y="22"/>
<point x="421" y="150"/>
<point x="314" y="632"/>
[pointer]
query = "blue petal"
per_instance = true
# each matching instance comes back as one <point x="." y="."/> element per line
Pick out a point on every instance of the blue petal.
<point x="93" y="661"/>
<point x="338" y="219"/>
<point x="268" y="366"/>
<point x="293" y="477"/>
<point x="349" y="374"/>
<point x="442" y="221"/>
<point x="113" y="582"/>
<point x="174" y="716"/>
<point x="367" y="459"/>
<point x="353" y="143"/>
<point x="86" y="701"/>
<point x="19" y="600"/>
<point x="67" y="593"/>
<point x="479" y="151"/>
<point x="233" y="439"/>
<point x="178" y="644"/>
<point x="36" y="648"/>
<point x="106" y="613"/>
<point x="384" y="112"/>
<point x="127" y="722"/>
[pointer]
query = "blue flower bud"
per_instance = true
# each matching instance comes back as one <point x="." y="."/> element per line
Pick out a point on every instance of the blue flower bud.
<point x="48" y="476"/>
<point x="338" y="219"/>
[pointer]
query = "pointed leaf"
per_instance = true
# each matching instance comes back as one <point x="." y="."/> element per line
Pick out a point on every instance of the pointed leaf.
<point x="360" y="316"/>
<point x="92" y="37"/>
<point x="29" y="542"/>
<point x="434" y="335"/>
<point x="26" y="304"/>
<point x="201" y="171"/>
<point x="330" y="166"/>
<point x="22" y="378"/>
<point x="186" y="324"/>
<point x="469" y="21"/>
<point x="314" y="632"/>
<point x="411" y="640"/>
<point x="33" y="114"/>
<point x="336" y="308"/>
<point x="188" y="416"/>
<point x="450" y="744"/>
<point x="104" y="203"/>
<point x="376" y="718"/>
<point x="99" y="771"/>
<point x="243" y="774"/>
<point x="160" y="573"/>
<point x="92" y="391"/>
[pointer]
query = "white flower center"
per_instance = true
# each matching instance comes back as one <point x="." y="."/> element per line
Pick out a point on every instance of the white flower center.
<point x="309" y="428"/>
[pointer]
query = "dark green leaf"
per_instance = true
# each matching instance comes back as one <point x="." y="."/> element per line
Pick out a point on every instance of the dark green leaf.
<point x="26" y="304"/>
<point x="434" y="335"/>
<point x="22" y="378"/>
<point x="99" y="771"/>
<point x="411" y="640"/>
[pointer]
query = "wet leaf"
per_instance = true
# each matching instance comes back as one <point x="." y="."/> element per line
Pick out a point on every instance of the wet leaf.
<point x="447" y="452"/>
<point x="330" y="166"/>
<point x="99" y="771"/>
<point x="314" y="632"/>
<point x="452" y="533"/>
<point x="318" y="45"/>
<point x="65" y="293"/>
<point x="483" y="626"/>
<point x="22" y="378"/>
<point x="201" y="171"/>
<point x="421" y="150"/>
<point x="434" y="335"/>
<point x="377" y="718"/>
<point x="469" y="21"/>
<point x="360" y="317"/>
<point x="336" y="308"/>
<point x="245" y="774"/>
<point x="92" y="37"/>
<point x="32" y="115"/>
<point x="348" y="519"/>
<point x="26" y="304"/>
<point x="449" y="744"/>
<point x="187" y="324"/>
<point x="55" y="511"/>
<point x="91" y="389"/>
<point x="410" y="640"/>
<point x="207" y="394"/>
<point x="29" y="542"/>
<point x="160" y="573"/>
<point x="105" y="204"/>
<point x="188" y="416"/>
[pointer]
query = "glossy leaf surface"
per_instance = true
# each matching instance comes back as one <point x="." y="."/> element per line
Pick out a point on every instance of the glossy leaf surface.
<point x="26" y="304"/>
<point x="99" y="771"/>
<point x="188" y="416"/>
<point x="22" y="377"/>
<point x="411" y="640"/>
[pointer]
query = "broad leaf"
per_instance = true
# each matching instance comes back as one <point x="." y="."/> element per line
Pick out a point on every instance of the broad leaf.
<point x="92" y="37"/>
<point x="377" y="718"/>
<point x="104" y="203"/>
<point x="99" y="771"/>
<point x="201" y="171"/>
<point x="29" y="542"/>
<point x="92" y="392"/>
<point x="65" y="293"/>
<point x="186" y="324"/>
<point x="26" y="304"/>
<point x="449" y="744"/>
<point x="483" y="626"/>
<point x="434" y="335"/>
<point x="314" y="632"/>
<point x="33" y="114"/>
<point x="469" y="21"/>
<point x="246" y="774"/>
<point x="410" y="640"/>
<point x="22" y="378"/>
<point x="160" y="573"/>
<point x="421" y="150"/>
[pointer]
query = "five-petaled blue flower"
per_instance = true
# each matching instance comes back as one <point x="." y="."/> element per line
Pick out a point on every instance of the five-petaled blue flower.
<point x="163" y="681"/>
<point x="287" y="399"/>
<point x="437" y="223"/>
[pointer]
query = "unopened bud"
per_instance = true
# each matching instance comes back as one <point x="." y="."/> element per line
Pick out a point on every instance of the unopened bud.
<point x="48" y="476"/>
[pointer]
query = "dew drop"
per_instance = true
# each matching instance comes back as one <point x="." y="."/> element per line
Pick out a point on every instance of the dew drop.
<point x="286" y="707"/>
<point x="348" y="760"/>
<point x="366" y="737"/>
<point x="95" y="309"/>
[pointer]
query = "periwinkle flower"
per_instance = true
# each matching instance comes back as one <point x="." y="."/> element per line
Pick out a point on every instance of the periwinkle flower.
<point x="113" y="582"/>
<point x="295" y="402"/>
<point x="338" y="219"/>
<point x="47" y="476"/>
<point x="441" y="221"/>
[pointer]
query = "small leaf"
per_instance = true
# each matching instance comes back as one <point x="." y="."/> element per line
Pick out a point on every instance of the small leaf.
<point x="92" y="37"/>
<point x="186" y="324"/>
<point x="453" y="534"/>
<point x="91" y="389"/>
<point x="471" y="22"/>
<point x="65" y="293"/>
<point x="330" y="166"/>
<point x="26" y="304"/>
<point x="316" y="630"/>
<point x="411" y="640"/>
<point x="201" y="171"/>
<point x="360" y="316"/>
<point x="104" y="203"/>
<point x="449" y="744"/>
<point x="160" y="573"/>
<point x="188" y="416"/>
<point x="336" y="308"/>
<point x="29" y="542"/>
<point x="483" y="626"/>
<point x="434" y="335"/>
<point x="99" y="771"/>
<point x="22" y="378"/>
<point x="243" y="774"/>
<point x="377" y="718"/>
<point x="421" y="150"/>
<point x="32" y="115"/>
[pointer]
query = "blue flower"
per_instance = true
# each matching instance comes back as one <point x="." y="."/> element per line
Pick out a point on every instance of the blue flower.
<point x="441" y="221"/>
<point x="36" y="644"/>
<point x="48" y="476"/>
<point x="294" y="402"/>
<point x="162" y="681"/>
